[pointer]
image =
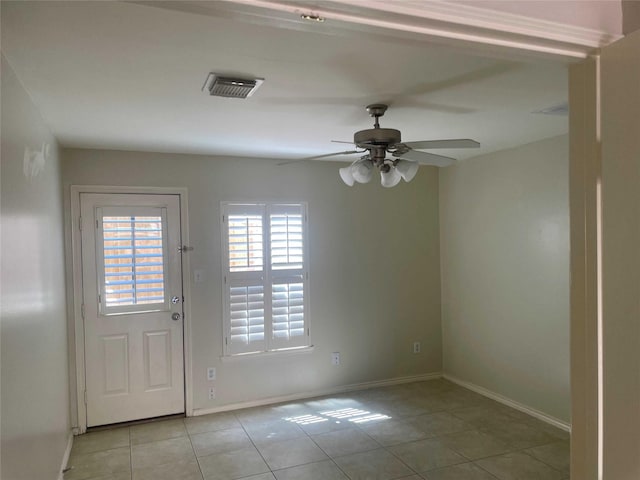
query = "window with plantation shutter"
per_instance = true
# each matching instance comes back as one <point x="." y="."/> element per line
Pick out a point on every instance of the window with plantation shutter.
<point x="132" y="259"/>
<point x="265" y="277"/>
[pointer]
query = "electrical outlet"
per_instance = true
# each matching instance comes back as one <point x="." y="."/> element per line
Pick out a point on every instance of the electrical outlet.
<point x="212" y="393"/>
<point x="211" y="373"/>
<point x="335" y="358"/>
<point x="416" y="347"/>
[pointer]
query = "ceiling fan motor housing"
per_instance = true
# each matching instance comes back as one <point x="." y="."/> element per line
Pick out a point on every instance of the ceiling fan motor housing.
<point x="377" y="136"/>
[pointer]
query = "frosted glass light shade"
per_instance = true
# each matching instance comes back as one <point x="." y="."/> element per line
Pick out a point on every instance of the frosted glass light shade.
<point x="362" y="171"/>
<point x="407" y="169"/>
<point x="390" y="178"/>
<point x="347" y="176"/>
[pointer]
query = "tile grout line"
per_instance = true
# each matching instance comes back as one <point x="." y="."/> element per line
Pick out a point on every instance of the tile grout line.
<point x="305" y="433"/>
<point x="379" y="446"/>
<point x="359" y="428"/>
<point x="511" y="450"/>
<point x="309" y="435"/>
<point x="402" y="461"/>
<point x="520" y="450"/>
<point x="542" y="461"/>
<point x="485" y="470"/>
<point x="466" y="458"/>
<point x="254" y="445"/>
<point x="193" y="448"/>
<point x="329" y="456"/>
<point x="405" y="420"/>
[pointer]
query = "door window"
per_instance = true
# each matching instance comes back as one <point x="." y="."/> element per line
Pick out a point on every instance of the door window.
<point x="132" y="260"/>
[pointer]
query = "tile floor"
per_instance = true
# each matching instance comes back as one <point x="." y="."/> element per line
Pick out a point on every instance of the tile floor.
<point x="432" y="430"/>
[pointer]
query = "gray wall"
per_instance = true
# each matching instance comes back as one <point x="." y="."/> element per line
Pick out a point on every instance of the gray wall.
<point x="505" y="274"/>
<point x="630" y="16"/>
<point x="35" y="399"/>
<point x="374" y="267"/>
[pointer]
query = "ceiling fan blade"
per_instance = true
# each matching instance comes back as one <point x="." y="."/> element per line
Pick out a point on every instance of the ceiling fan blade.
<point x="348" y="152"/>
<point x="342" y="141"/>
<point x="453" y="143"/>
<point x="425" y="158"/>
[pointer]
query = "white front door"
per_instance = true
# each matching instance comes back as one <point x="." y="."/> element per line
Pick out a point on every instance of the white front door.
<point x="133" y="315"/>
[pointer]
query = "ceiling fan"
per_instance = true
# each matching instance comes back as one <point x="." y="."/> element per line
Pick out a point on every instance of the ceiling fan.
<point x="376" y="142"/>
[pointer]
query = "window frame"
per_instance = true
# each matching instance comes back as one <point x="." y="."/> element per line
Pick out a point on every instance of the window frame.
<point x="266" y="277"/>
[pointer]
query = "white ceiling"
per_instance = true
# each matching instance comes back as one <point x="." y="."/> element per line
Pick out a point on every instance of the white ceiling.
<point x="128" y="76"/>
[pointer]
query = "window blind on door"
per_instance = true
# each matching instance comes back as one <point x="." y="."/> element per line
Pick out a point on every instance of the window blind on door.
<point x="132" y="260"/>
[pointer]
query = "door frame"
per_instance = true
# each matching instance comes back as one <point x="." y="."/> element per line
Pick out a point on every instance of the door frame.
<point x="76" y="337"/>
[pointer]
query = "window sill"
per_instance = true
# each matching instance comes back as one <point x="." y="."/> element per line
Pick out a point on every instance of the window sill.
<point x="259" y="355"/>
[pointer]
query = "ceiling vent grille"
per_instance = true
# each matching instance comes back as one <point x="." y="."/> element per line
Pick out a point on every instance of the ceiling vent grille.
<point x="231" y="87"/>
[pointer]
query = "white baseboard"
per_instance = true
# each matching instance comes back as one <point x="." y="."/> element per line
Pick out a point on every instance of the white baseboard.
<point x="319" y="392"/>
<point x="65" y="457"/>
<point x="510" y="403"/>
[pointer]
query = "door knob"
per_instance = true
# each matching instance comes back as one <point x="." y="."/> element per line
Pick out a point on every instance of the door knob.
<point x="176" y="316"/>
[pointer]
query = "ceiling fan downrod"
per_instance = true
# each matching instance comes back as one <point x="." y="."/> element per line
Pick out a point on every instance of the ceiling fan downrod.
<point x="376" y="110"/>
<point x="377" y="136"/>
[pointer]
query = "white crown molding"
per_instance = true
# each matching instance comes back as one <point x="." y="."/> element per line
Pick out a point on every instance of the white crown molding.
<point x="449" y="22"/>
<point x="508" y="23"/>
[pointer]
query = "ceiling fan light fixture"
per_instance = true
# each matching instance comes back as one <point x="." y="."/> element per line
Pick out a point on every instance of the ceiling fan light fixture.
<point x="362" y="171"/>
<point x="407" y="169"/>
<point x="390" y="178"/>
<point x="379" y="141"/>
<point x="347" y="176"/>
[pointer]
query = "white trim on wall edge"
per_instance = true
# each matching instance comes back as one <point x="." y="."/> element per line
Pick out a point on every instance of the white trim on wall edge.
<point x="65" y="457"/>
<point x="319" y="392"/>
<point x="510" y="403"/>
<point x="450" y="23"/>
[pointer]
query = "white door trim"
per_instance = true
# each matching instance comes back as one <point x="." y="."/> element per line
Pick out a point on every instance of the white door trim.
<point x="76" y="348"/>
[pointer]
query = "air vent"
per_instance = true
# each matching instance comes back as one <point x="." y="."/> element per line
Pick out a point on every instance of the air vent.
<point x="231" y="87"/>
<point x="561" y="109"/>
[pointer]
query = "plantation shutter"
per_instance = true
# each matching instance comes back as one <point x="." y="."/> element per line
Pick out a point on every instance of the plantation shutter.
<point x="265" y="277"/>
<point x="244" y="278"/>
<point x="132" y="259"/>
<point x="288" y="276"/>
